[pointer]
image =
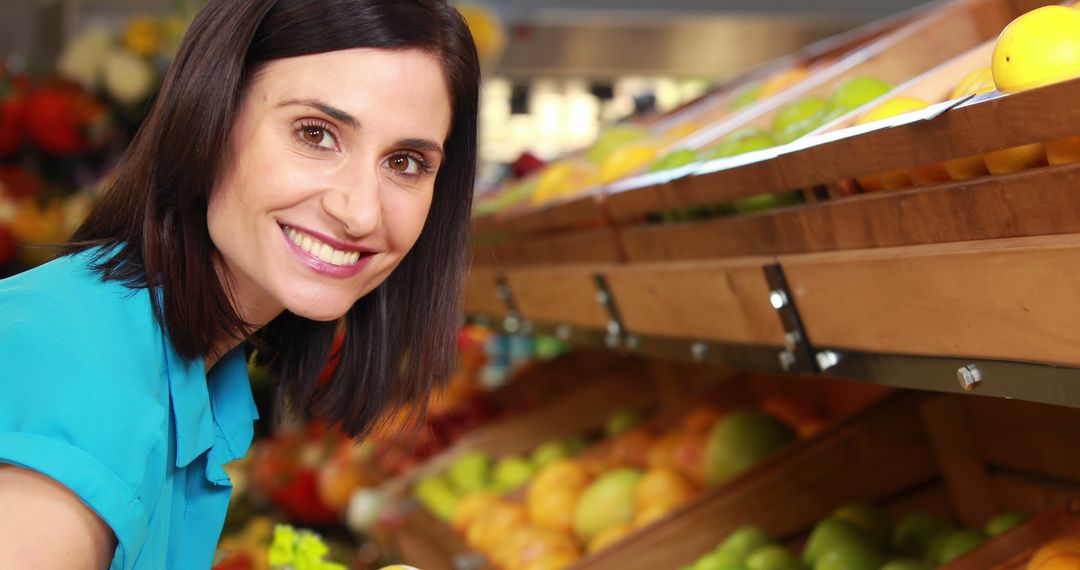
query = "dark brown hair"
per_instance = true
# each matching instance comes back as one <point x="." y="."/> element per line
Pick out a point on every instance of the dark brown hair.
<point x="400" y="338"/>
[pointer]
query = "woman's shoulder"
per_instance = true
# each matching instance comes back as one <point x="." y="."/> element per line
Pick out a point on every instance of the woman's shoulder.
<point x="63" y="313"/>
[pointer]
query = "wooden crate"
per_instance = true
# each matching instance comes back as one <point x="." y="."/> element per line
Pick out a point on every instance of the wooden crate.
<point x="998" y="299"/>
<point x="673" y="389"/>
<point x="943" y="454"/>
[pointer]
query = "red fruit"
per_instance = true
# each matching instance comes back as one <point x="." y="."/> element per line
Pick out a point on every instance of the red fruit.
<point x="11" y="125"/>
<point x="17" y="182"/>
<point x="56" y="116"/>
<point x="7" y="246"/>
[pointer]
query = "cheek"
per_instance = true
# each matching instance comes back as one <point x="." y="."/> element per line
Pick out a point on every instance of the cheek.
<point x="405" y="217"/>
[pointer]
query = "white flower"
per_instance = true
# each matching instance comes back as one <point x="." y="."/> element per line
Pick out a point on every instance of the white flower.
<point x="84" y="56"/>
<point x="128" y="77"/>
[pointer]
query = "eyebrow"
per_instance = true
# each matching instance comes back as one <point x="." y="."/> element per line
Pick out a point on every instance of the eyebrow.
<point x="325" y="108"/>
<point x="421" y="144"/>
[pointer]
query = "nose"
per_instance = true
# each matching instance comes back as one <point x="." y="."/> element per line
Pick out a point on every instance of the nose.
<point x="355" y="202"/>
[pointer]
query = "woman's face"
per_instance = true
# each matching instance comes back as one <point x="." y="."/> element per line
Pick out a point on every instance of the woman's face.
<point x="329" y="179"/>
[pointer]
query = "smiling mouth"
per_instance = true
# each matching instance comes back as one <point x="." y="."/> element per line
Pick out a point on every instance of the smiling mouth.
<point x="323" y="251"/>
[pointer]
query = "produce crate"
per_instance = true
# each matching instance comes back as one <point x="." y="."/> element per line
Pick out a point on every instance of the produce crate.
<point x="963" y="457"/>
<point x="426" y="542"/>
<point x="579" y="228"/>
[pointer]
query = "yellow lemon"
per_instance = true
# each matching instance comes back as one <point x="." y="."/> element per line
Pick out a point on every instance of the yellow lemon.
<point x="627" y="160"/>
<point x="563" y="179"/>
<point x="891" y="108"/>
<point x="1016" y="158"/>
<point x="1038" y="48"/>
<point x="143" y="35"/>
<point x="975" y="83"/>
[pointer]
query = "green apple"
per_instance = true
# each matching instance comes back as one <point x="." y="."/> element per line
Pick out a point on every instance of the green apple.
<point x="471" y="472"/>
<point x="850" y="556"/>
<point x="874" y="522"/>
<point x="438" y="495"/>
<point x="907" y="564"/>
<point x="746" y="96"/>
<point x="717" y="561"/>
<point x="549" y="451"/>
<point x="914" y="532"/>
<point x="741" y="142"/>
<point x="741" y="543"/>
<point x="830" y="534"/>
<point x="621" y="421"/>
<point x="855" y="93"/>
<point x="675" y="159"/>
<point x="798" y="118"/>
<point x="772" y="557"/>
<point x="575" y="445"/>
<point x="741" y="439"/>
<point x="512" y="472"/>
<point x="763" y="202"/>
<point x="1004" y="522"/>
<point x="959" y="543"/>
<point x="613" y="139"/>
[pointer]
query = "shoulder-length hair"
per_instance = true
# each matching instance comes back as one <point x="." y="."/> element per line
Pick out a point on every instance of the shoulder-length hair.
<point x="399" y="339"/>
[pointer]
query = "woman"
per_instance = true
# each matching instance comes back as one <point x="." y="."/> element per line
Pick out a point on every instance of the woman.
<point x="307" y="165"/>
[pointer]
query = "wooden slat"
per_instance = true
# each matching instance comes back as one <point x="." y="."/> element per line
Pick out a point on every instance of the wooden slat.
<point x="790" y="491"/>
<point x="1028" y="437"/>
<point x="725" y="301"/>
<point x="557" y="295"/>
<point x="580" y="212"/>
<point x="1001" y="299"/>
<point x="1031" y="495"/>
<point x="958" y="456"/>
<point x="482" y="294"/>
<point x="426" y="542"/>
<point x="599" y="245"/>
<point x="1031" y="116"/>
<point x="1012" y="550"/>
<point x="1030" y="203"/>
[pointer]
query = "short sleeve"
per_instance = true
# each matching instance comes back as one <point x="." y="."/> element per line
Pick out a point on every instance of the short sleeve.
<point x="81" y="393"/>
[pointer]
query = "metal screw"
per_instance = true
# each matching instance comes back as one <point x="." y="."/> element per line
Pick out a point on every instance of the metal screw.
<point x="633" y="343"/>
<point x="778" y="299"/>
<point x="787" y="359"/>
<point x="602" y="297"/>
<point x="563" y="332"/>
<point x="613" y="328"/>
<point x="826" y="359"/>
<point x="697" y="351"/>
<point x="511" y="324"/>
<point x="791" y="340"/>
<point x="969" y="377"/>
<point x="612" y="340"/>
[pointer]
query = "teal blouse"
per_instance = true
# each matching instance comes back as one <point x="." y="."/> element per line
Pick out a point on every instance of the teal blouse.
<point x="93" y="395"/>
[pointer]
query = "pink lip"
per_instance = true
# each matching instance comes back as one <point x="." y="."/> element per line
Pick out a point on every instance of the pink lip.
<point x="329" y="269"/>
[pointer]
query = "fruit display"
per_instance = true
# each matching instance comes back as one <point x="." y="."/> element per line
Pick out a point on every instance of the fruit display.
<point x="557" y="507"/>
<point x="857" y="536"/>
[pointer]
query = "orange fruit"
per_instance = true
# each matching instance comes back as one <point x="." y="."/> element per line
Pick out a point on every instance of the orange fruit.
<point x="554" y="508"/>
<point x="1059" y="561"/>
<point x="1049" y="550"/>
<point x="1016" y="158"/>
<point x="470" y="507"/>
<point x="928" y="174"/>
<point x="966" y="168"/>
<point x="561" y="473"/>
<point x="608" y="536"/>
<point x="663" y="486"/>
<point x="782" y="80"/>
<point x="552" y="562"/>
<point x="702" y="419"/>
<point x="632" y="448"/>
<point x="1063" y="151"/>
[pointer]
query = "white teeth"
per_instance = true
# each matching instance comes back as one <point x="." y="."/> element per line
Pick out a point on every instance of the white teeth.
<point x="321" y="250"/>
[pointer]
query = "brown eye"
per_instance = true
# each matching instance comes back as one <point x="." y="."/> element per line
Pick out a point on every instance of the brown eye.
<point x="399" y="163"/>
<point x="318" y="136"/>
<point x="313" y="135"/>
